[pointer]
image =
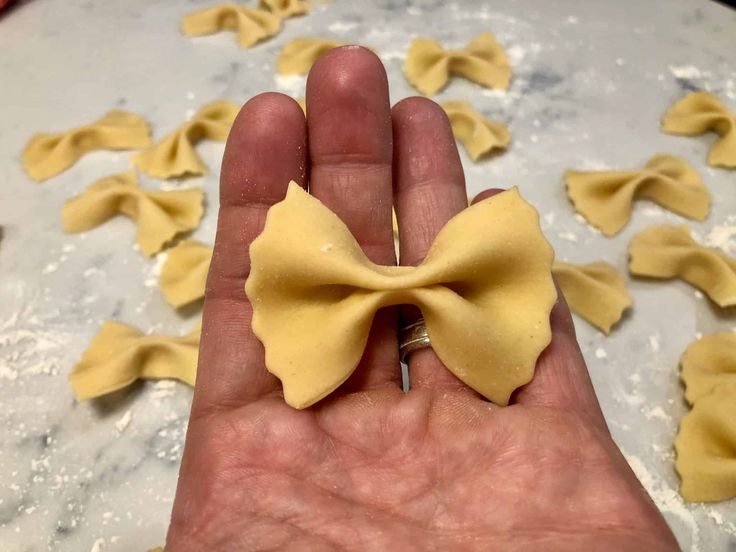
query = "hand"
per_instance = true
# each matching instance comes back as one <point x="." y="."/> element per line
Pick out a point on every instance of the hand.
<point x="370" y="467"/>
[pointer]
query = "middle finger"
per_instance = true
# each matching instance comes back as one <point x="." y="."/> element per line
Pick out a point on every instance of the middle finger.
<point x="350" y="151"/>
<point x="430" y="190"/>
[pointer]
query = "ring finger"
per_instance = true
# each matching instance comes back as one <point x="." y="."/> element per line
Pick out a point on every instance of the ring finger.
<point x="429" y="189"/>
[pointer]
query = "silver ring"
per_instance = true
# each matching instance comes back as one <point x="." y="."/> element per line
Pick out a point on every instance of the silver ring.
<point x="413" y="337"/>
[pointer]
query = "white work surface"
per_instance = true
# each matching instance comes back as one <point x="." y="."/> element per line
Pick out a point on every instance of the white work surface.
<point x="591" y="82"/>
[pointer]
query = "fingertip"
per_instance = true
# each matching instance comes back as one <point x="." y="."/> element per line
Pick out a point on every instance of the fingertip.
<point x="348" y="107"/>
<point x="485" y="194"/>
<point x="424" y="145"/>
<point x="264" y="114"/>
<point x="347" y="73"/>
<point x="343" y="64"/>
<point x="268" y="141"/>
<point x="417" y="109"/>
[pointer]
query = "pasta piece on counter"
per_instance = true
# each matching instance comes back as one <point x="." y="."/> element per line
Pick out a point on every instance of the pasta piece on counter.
<point x="184" y="275"/>
<point x="174" y="156"/>
<point x="708" y="363"/>
<point x="285" y="8"/>
<point x="706" y="447"/>
<point x="47" y="155"/>
<point x="670" y="252"/>
<point x="595" y="291"/>
<point x="429" y="66"/>
<point x="160" y="216"/>
<point x="251" y="25"/>
<point x="120" y="354"/>
<point x="701" y="112"/>
<point x="478" y="134"/>
<point x="605" y="198"/>
<point x="298" y="56"/>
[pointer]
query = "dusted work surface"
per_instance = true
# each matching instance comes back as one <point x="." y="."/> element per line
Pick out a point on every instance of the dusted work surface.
<point x="591" y="82"/>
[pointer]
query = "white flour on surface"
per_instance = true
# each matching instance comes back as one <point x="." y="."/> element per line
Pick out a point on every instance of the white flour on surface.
<point x="705" y="79"/>
<point x="685" y="71"/>
<point x="163" y="389"/>
<point x="654" y="342"/>
<point x="667" y="499"/>
<point x="28" y="346"/>
<point x="155" y="272"/>
<point x="723" y="236"/>
<point x="341" y="27"/>
<point x="656" y="412"/>
<point x="123" y="423"/>
<point x="293" y="85"/>
<point x="394" y="54"/>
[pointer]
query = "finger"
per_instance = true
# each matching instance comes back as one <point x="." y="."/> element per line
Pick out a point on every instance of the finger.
<point x="429" y="190"/>
<point x="265" y="150"/>
<point x="561" y="378"/>
<point x="350" y="156"/>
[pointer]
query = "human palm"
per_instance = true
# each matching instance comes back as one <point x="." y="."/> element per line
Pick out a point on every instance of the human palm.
<point x="371" y="467"/>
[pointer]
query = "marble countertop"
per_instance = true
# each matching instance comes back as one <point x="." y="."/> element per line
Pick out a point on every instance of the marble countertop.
<point x="591" y="81"/>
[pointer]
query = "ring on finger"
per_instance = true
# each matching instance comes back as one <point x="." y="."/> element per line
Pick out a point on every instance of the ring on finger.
<point x="413" y="337"/>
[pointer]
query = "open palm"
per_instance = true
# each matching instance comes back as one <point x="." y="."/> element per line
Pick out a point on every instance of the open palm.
<point x="438" y="468"/>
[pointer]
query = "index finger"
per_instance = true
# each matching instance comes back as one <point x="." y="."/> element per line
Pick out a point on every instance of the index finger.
<point x="266" y="148"/>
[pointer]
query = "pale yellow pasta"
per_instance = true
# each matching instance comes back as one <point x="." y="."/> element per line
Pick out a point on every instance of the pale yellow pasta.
<point x="303" y="104"/>
<point x="160" y="216"/>
<point x="701" y="112"/>
<point x="175" y="156"/>
<point x="486" y="305"/>
<point x="298" y="56"/>
<point x="120" y="354"/>
<point x="429" y="66"/>
<point x="708" y="363"/>
<point x="595" y="291"/>
<point x="706" y="447"/>
<point x="605" y="198"/>
<point x="285" y="8"/>
<point x="479" y="135"/>
<point x="47" y="155"/>
<point x="670" y="252"/>
<point x="184" y="275"/>
<point x="251" y="25"/>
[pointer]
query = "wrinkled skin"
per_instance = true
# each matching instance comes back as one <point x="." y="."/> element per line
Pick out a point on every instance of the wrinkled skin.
<point x="372" y="468"/>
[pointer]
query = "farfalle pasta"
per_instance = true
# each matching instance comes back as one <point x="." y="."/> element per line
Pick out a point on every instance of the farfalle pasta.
<point x="175" y="156"/>
<point x="670" y="252"/>
<point x="479" y="135"/>
<point x="184" y="275"/>
<point x="706" y="447"/>
<point x="120" y="354"/>
<point x="706" y="440"/>
<point x="251" y="25"/>
<point x="298" y="56"/>
<point x="429" y="66"/>
<point x="708" y="363"/>
<point x="47" y="155"/>
<point x="605" y="198"/>
<point x="285" y="8"/>
<point x="701" y="112"/>
<point x="486" y="304"/>
<point x="159" y="215"/>
<point x="595" y="291"/>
